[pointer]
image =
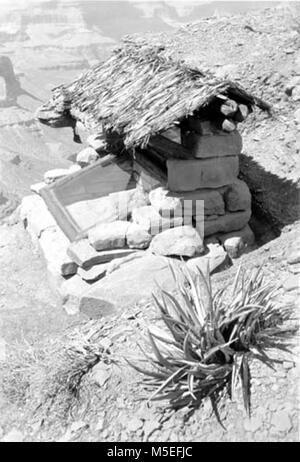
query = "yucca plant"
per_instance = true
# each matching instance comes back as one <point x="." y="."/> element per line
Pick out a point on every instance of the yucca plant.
<point x="209" y="339"/>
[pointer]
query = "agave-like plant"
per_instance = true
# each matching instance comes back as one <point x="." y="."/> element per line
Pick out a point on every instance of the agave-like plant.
<point x="210" y="338"/>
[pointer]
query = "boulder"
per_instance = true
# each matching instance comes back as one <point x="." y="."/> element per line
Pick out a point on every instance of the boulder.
<point x="106" y="236"/>
<point x="135" y="280"/>
<point x="223" y="224"/>
<point x="137" y="237"/>
<point x="237" y="197"/>
<point x="82" y="253"/>
<point x="54" y="245"/>
<point x="234" y="246"/>
<point x="153" y="222"/>
<point x="164" y="201"/>
<point x="87" y="156"/>
<point x="52" y="175"/>
<point x="215" y="260"/>
<point x="35" y="215"/>
<point x="183" y="241"/>
<point x="192" y="174"/>
<point x="216" y="145"/>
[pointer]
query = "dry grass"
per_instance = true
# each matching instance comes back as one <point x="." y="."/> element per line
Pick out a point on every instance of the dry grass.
<point x="48" y="381"/>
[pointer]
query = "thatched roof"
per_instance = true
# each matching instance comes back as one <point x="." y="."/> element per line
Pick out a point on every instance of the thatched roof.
<point x="139" y="92"/>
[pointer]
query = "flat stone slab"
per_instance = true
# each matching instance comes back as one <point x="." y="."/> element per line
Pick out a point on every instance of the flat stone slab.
<point x="213" y="145"/>
<point x="82" y="253"/>
<point x="132" y="282"/>
<point x="192" y="174"/>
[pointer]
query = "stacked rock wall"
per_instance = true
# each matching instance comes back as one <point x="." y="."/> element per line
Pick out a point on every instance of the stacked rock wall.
<point x="211" y="176"/>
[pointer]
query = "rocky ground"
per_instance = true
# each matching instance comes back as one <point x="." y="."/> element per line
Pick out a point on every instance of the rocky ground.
<point x="112" y="407"/>
<point x="261" y="50"/>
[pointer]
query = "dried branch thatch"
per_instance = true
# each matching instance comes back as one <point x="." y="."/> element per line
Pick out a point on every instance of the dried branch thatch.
<point x="139" y="92"/>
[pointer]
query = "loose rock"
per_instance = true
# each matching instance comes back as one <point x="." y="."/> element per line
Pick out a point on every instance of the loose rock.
<point x="87" y="156"/>
<point x="106" y="236"/>
<point x="182" y="241"/>
<point x="234" y="246"/>
<point x="137" y="237"/>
